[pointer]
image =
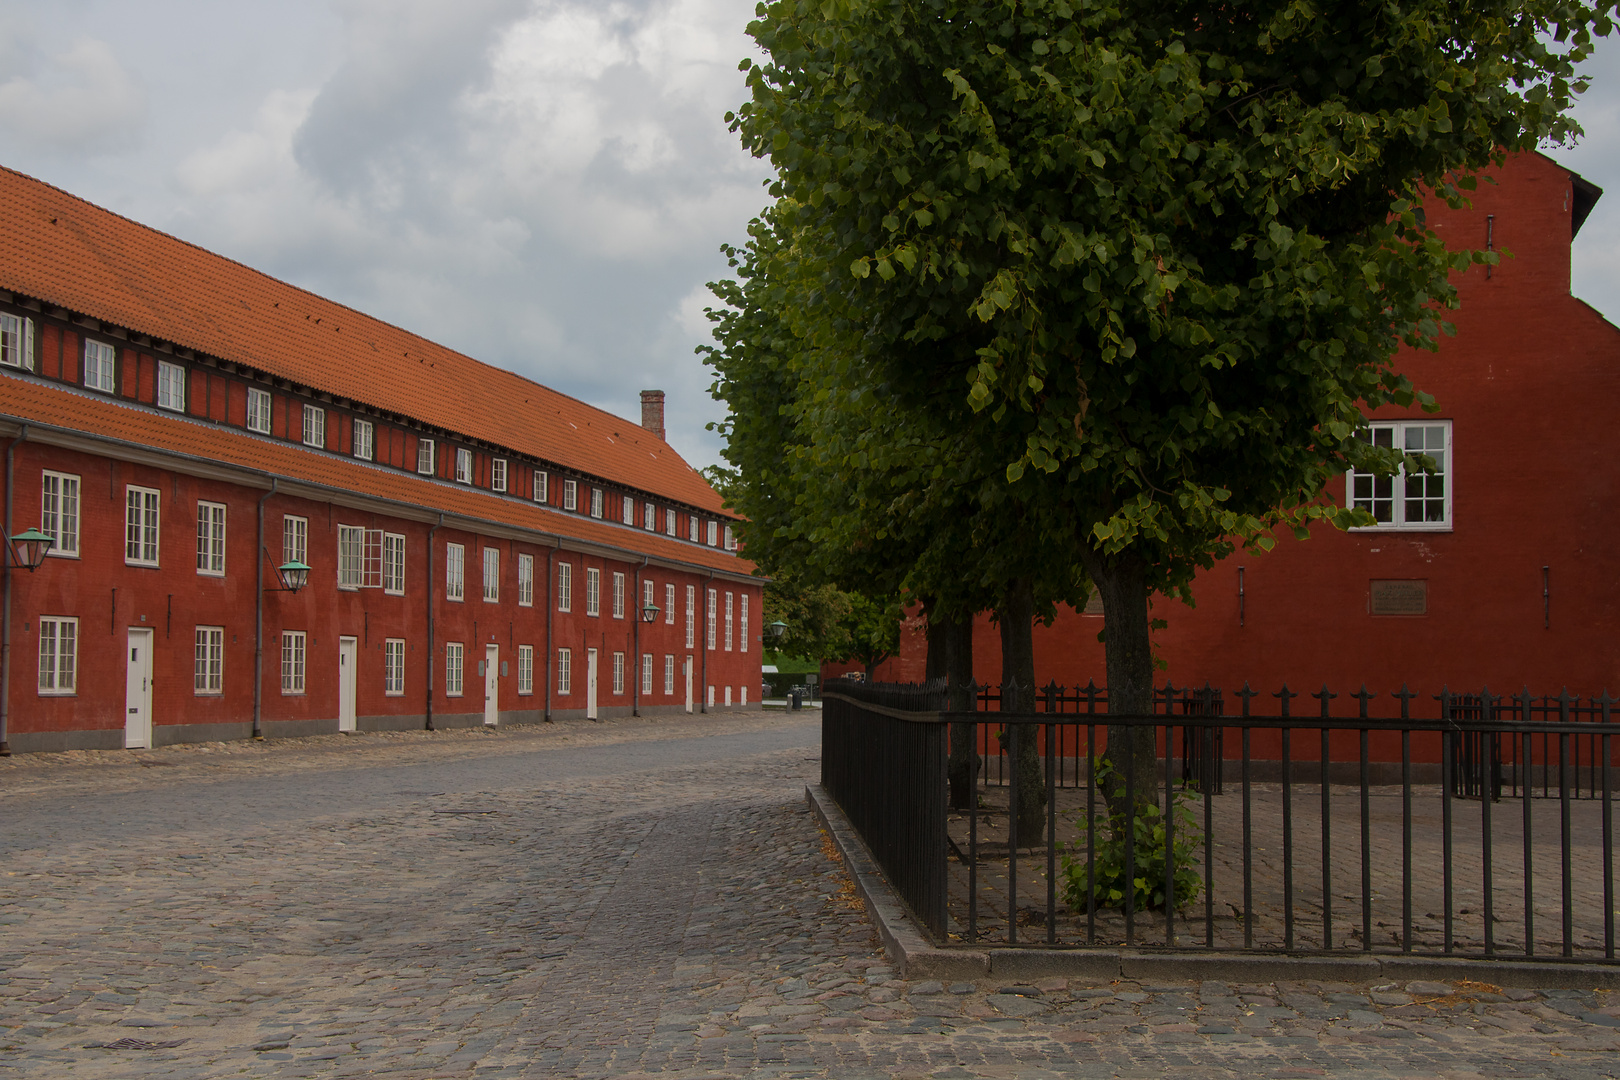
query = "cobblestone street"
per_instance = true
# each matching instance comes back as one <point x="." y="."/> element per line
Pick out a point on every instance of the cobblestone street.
<point x="635" y="897"/>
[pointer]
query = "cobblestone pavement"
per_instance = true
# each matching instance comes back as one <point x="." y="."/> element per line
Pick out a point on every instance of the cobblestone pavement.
<point x="624" y="899"/>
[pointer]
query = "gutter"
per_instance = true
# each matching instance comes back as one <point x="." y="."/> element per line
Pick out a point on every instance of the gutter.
<point x="258" y="624"/>
<point x="551" y="604"/>
<point x="431" y="531"/>
<point x="5" y="623"/>
<point x="635" y="690"/>
<point x="708" y="621"/>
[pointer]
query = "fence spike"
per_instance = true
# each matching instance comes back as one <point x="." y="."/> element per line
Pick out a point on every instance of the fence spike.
<point x="1286" y="695"/>
<point x="1324" y="697"/>
<point x="1363" y="696"/>
<point x="1406" y="697"/>
<point x="1246" y="694"/>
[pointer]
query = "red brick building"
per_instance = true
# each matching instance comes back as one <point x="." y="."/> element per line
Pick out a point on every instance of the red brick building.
<point x="482" y="549"/>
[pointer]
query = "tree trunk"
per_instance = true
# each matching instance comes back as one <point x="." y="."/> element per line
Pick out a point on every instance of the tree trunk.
<point x="956" y="645"/>
<point x="1122" y="581"/>
<point x="1016" y="616"/>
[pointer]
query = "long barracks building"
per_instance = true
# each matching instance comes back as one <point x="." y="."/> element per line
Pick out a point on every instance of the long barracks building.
<point x="482" y="549"/>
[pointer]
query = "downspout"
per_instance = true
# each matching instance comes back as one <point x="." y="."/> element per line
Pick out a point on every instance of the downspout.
<point x="258" y="623"/>
<point x="708" y="621"/>
<point x="5" y="623"/>
<point x="635" y="691"/>
<point x="551" y="603"/>
<point x="431" y="531"/>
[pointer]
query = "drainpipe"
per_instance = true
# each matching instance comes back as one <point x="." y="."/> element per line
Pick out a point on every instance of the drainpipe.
<point x="708" y="617"/>
<point x="5" y="622"/>
<point x="551" y="604"/>
<point x="431" y="531"/>
<point x="635" y="691"/>
<point x="258" y="624"/>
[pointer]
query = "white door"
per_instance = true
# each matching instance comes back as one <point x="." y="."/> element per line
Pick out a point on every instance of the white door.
<point x="590" y="684"/>
<point x="687" y="666"/>
<point x="138" y="691"/>
<point x="348" y="660"/>
<point x="492" y="685"/>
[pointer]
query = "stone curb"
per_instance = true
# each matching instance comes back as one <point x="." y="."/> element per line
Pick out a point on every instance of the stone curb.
<point x="917" y="957"/>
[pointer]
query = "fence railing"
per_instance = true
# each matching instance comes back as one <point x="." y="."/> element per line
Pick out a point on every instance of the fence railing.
<point x="1314" y="833"/>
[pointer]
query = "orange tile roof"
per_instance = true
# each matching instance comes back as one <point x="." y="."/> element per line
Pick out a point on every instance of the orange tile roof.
<point x="62" y="250"/>
<point x="30" y="400"/>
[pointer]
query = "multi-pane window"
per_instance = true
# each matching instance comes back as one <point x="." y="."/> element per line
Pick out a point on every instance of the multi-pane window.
<point x="394" y="667"/>
<point x="692" y="527"/>
<point x="453" y="654"/>
<point x="669" y="522"/>
<point x="649" y="517"/>
<point x="709" y="618"/>
<point x="492" y="575"/>
<point x="565" y="671"/>
<point x="691" y="616"/>
<point x="647" y="588"/>
<point x="525" y="669"/>
<point x="743" y="638"/>
<point x="1412" y="498"/>
<point x="669" y="604"/>
<point x="669" y="673"/>
<point x="351" y="556"/>
<point x="463" y="465"/>
<point x="565" y="586"/>
<point x="171" y="388"/>
<point x="208" y="667"/>
<point x="618" y="596"/>
<point x="455" y="571"/>
<point x="314" y="426"/>
<point x="525" y="580"/>
<point x="593" y="591"/>
<point x="16" y="341"/>
<point x="258" y="410"/>
<point x="394" y="563"/>
<point x="497" y="474"/>
<point x="365" y="440"/>
<point x="731" y="601"/>
<point x="295" y="539"/>
<point x="570" y="494"/>
<point x="629" y="517"/>
<point x="424" y="456"/>
<point x="618" y="673"/>
<point x="59" y="511"/>
<point x="539" y="483"/>
<point x="646" y="673"/>
<point x="99" y="361"/>
<point x="596" y="502"/>
<point x="292" y="661"/>
<point x="58" y="655"/>
<point x="211" y="538"/>
<point x="140" y="526"/>
<point x="714" y="533"/>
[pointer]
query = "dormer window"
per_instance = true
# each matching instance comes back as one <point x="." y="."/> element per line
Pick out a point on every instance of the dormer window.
<point x="497" y="474"/>
<point x="570" y="494"/>
<point x="314" y="426"/>
<point x="596" y="502"/>
<point x="539" y="485"/>
<point x="424" y="456"/>
<point x="171" y="387"/>
<point x="629" y="511"/>
<point x="463" y="465"/>
<point x="16" y="341"/>
<point x="99" y="360"/>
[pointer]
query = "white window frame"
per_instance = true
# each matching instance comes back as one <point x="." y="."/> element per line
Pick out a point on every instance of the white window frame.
<point x="464" y="465"/>
<point x="525" y="670"/>
<point x="208" y="661"/>
<point x="669" y="522"/>
<point x="351" y="556"/>
<point x="365" y="439"/>
<point x="455" y="668"/>
<point x="424" y="455"/>
<point x="593" y="591"/>
<point x="618" y="595"/>
<point x="669" y="673"/>
<point x="59" y="512"/>
<point x="142" y="525"/>
<point x="525" y="581"/>
<point x="711" y="615"/>
<point x="259" y="408"/>
<point x="692" y="526"/>
<point x="649" y="517"/>
<point x="629" y="515"/>
<point x="618" y="673"/>
<point x="570" y="494"/>
<point x="58" y="655"/>
<point x="492" y="575"/>
<point x="565" y="672"/>
<point x="669" y="604"/>
<point x="731" y="611"/>
<point x="211" y="538"/>
<point x="100" y="366"/>
<point x="648" y="591"/>
<point x="394" y="667"/>
<point x="1398" y="489"/>
<point x="742" y="637"/>
<point x="646" y="674"/>
<point x="691" y="616"/>
<point x="294" y="653"/>
<point x="731" y="539"/>
<point x="314" y="426"/>
<point x="596" y="502"/>
<point x="539" y="485"/>
<point x="565" y="587"/>
<point x="455" y="571"/>
<point x="393" y="569"/>
<point x="497" y="474"/>
<point x="714" y="533"/>
<point x="171" y="386"/>
<point x="294" y="539"/>
<point x="16" y="341"/>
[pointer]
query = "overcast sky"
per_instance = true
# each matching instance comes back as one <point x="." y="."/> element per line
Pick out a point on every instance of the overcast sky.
<point x="542" y="184"/>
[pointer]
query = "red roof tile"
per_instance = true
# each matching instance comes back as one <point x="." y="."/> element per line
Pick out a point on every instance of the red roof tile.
<point x="62" y="250"/>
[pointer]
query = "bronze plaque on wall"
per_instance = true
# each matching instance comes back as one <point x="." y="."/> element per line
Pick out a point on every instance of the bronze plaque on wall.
<point x="1400" y="597"/>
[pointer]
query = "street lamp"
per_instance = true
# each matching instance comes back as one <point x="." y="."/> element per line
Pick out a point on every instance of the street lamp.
<point x="28" y="549"/>
<point x="776" y="629"/>
<point x="294" y="576"/>
<point x="649" y="612"/>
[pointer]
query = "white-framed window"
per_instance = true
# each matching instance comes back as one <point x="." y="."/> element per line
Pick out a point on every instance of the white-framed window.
<point x="525" y="669"/>
<point x="629" y="517"/>
<point x="140" y="526"/>
<point x="731" y="603"/>
<point x="314" y="426"/>
<point x="295" y="539"/>
<point x="58" y="655"/>
<point x="100" y="362"/>
<point x="647" y="590"/>
<point x="453" y="654"/>
<point x="692" y="527"/>
<point x="570" y="494"/>
<point x="365" y="440"/>
<point x="728" y="695"/>
<point x="593" y="591"/>
<point x="59" y="511"/>
<point x="455" y="571"/>
<point x="394" y="667"/>
<point x="394" y="563"/>
<point x="618" y="595"/>
<point x="596" y="502"/>
<point x="171" y="388"/>
<point x="539" y="483"/>
<point x="1408" y="500"/>
<point x="565" y="671"/>
<point x="258" y="410"/>
<point x="463" y="465"/>
<point x="743" y="692"/>
<point x="211" y="539"/>
<point x="351" y="560"/>
<point x="710" y="695"/>
<point x="669" y="673"/>
<point x="292" y="661"/>
<point x="731" y="539"/>
<point x="16" y="341"/>
<point x="691" y="616"/>
<point x="525" y="581"/>
<point x="208" y="668"/>
<point x="742" y="640"/>
<point x="669" y="604"/>
<point x="565" y="586"/>
<point x="714" y="533"/>
<point x="497" y="474"/>
<point x="424" y="455"/>
<point x="646" y="674"/>
<point x="618" y="673"/>
<point x="669" y="522"/>
<point x="710" y="616"/>
<point x="492" y="575"/>
<point x="649" y="517"/>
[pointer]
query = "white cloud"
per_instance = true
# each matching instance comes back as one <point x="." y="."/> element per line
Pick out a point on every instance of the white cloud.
<point x="79" y="99"/>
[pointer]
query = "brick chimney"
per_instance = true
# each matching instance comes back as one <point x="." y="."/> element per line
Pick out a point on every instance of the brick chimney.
<point x="652" y="411"/>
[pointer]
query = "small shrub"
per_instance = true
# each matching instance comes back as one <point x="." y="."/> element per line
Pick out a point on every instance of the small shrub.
<point x="1149" y="854"/>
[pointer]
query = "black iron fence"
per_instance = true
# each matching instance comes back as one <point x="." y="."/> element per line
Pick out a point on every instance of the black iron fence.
<point x="1313" y="833"/>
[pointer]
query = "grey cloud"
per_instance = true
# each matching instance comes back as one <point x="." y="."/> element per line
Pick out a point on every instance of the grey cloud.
<point x="77" y="99"/>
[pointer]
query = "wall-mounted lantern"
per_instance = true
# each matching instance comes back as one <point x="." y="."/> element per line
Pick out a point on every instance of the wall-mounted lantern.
<point x="649" y="613"/>
<point x="294" y="576"/>
<point x="28" y="549"/>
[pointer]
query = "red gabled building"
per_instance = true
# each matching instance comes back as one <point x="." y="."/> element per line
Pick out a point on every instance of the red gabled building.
<point x="481" y="549"/>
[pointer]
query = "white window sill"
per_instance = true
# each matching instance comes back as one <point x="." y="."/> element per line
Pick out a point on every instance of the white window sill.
<point x="54" y="554"/>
